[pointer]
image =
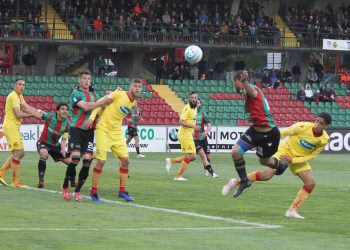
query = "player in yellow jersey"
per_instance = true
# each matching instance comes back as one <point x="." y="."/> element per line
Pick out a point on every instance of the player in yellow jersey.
<point x="109" y="136"/>
<point x="305" y="141"/>
<point x="187" y="127"/>
<point x="14" y="112"/>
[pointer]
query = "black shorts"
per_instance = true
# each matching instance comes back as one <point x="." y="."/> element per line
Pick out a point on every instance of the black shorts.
<point x="81" y="140"/>
<point x="53" y="151"/>
<point x="132" y="131"/>
<point x="266" y="143"/>
<point x="202" y="144"/>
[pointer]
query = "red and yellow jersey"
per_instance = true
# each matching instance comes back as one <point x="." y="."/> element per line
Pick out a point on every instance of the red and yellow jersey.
<point x="302" y="144"/>
<point x="112" y="116"/>
<point x="13" y="100"/>
<point x="188" y="115"/>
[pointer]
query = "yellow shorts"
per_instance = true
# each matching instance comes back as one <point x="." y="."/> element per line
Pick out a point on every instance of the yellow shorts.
<point x="294" y="168"/>
<point x="105" y="142"/>
<point x="13" y="138"/>
<point x="187" y="146"/>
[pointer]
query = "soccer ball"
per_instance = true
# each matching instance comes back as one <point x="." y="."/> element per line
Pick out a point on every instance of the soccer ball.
<point x="193" y="54"/>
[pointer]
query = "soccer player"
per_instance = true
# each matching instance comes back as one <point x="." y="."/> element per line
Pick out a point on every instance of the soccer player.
<point x="201" y="140"/>
<point x="133" y="118"/>
<point x="56" y="126"/>
<point x="187" y="126"/>
<point x="305" y="141"/>
<point x="109" y="136"/>
<point x="81" y="139"/>
<point x="15" y="110"/>
<point x="262" y="134"/>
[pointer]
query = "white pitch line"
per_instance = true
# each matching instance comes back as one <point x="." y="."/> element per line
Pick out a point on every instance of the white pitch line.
<point x="129" y="229"/>
<point x="174" y="211"/>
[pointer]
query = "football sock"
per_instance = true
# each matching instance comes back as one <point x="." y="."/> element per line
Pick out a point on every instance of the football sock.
<point x="209" y="169"/>
<point x="15" y="165"/>
<point x="137" y="150"/>
<point x="123" y="176"/>
<point x="240" y="168"/>
<point x="178" y="159"/>
<point x="6" y="165"/>
<point x="83" y="174"/>
<point x="41" y="168"/>
<point x="71" y="170"/>
<point x="253" y="176"/>
<point x="96" y="173"/>
<point x="302" y="195"/>
<point x="183" y="167"/>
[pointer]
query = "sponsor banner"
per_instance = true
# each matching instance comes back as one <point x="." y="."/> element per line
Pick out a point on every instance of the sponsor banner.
<point x="331" y="44"/>
<point x="227" y="137"/>
<point x="174" y="144"/>
<point x="339" y="141"/>
<point x="152" y="139"/>
<point x="29" y="135"/>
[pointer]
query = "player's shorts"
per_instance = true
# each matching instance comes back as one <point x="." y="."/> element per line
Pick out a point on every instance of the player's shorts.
<point x="266" y="143"/>
<point x="132" y="131"/>
<point x="294" y="168"/>
<point x="105" y="142"/>
<point x="55" y="152"/>
<point x="13" y="138"/>
<point x="81" y="140"/>
<point x="187" y="146"/>
<point x="202" y="144"/>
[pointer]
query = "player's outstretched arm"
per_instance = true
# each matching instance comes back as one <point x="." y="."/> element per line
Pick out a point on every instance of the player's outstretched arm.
<point x="186" y="124"/>
<point x="251" y="92"/>
<point x="302" y="159"/>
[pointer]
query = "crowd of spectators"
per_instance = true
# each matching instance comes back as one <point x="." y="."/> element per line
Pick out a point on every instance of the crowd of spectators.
<point x="322" y="94"/>
<point x="317" y="24"/>
<point x="162" y="17"/>
<point x="27" y="16"/>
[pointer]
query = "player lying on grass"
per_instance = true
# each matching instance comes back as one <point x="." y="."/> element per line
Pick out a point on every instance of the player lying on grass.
<point x="305" y="141"/>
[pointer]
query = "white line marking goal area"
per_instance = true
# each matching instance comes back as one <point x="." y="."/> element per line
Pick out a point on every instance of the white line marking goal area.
<point x="248" y="225"/>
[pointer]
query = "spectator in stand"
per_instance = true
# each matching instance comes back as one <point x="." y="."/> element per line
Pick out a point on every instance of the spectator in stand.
<point x="348" y="90"/>
<point x="301" y="94"/>
<point x="5" y="24"/>
<point x="100" y="64"/>
<point x="318" y="67"/>
<point x="29" y="60"/>
<point x="296" y="72"/>
<point x="29" y="25"/>
<point x="137" y="9"/>
<point x="98" y="26"/>
<point x="324" y="94"/>
<point x="286" y="76"/>
<point x="266" y="80"/>
<point x="332" y="94"/>
<point x="312" y="76"/>
<point x="194" y="72"/>
<point x="309" y="94"/>
<point x="107" y="25"/>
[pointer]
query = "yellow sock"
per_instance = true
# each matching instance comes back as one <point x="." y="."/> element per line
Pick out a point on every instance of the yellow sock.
<point x="15" y="165"/>
<point x="253" y="176"/>
<point x="302" y="196"/>
<point x="96" y="173"/>
<point x="6" y="165"/>
<point x="178" y="159"/>
<point x="183" y="167"/>
<point x="124" y="176"/>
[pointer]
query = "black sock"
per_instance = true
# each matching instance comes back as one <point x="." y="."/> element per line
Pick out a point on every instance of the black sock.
<point x="240" y="168"/>
<point x="210" y="169"/>
<point x="83" y="175"/>
<point x="71" y="171"/>
<point x="42" y="168"/>
<point x="137" y="150"/>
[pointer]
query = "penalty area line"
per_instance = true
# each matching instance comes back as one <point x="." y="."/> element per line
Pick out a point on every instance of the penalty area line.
<point x="174" y="211"/>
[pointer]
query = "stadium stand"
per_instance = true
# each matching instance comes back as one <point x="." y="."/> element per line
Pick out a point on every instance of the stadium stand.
<point x="45" y="93"/>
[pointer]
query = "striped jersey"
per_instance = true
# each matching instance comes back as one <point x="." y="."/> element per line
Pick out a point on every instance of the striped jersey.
<point x="79" y="115"/>
<point x="202" y="119"/>
<point x="54" y="129"/>
<point x="258" y="109"/>
<point x="134" y="115"/>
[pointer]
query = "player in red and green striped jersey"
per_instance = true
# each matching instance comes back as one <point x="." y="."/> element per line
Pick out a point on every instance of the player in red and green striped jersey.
<point x="133" y="118"/>
<point x="80" y="138"/>
<point x="201" y="139"/>
<point x="56" y="126"/>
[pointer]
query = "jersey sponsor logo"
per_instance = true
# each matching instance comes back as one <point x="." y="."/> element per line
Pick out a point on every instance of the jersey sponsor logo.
<point x="124" y="110"/>
<point x="307" y="145"/>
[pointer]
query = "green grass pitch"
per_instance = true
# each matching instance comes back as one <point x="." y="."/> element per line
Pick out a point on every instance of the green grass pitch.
<point x="177" y="215"/>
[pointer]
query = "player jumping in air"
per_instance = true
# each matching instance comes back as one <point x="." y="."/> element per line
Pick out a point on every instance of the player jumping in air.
<point x="262" y="134"/>
<point x="305" y="141"/>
